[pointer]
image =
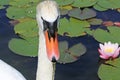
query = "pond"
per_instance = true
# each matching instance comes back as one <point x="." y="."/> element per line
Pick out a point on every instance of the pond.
<point x="84" y="69"/>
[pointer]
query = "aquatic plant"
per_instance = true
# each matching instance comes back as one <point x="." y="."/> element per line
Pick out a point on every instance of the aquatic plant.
<point x="27" y="29"/>
<point x="110" y="66"/>
<point x="77" y="16"/>
<point x="109" y="50"/>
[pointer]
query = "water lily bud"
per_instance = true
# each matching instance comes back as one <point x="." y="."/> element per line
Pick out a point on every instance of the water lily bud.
<point x="109" y="50"/>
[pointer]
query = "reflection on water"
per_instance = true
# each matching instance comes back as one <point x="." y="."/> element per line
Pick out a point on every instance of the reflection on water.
<point x="83" y="69"/>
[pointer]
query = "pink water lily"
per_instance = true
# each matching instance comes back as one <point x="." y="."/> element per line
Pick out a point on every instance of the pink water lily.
<point x="109" y="50"/>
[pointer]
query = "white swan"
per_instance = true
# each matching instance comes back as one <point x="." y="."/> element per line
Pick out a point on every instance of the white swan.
<point x="47" y="18"/>
<point x="7" y="72"/>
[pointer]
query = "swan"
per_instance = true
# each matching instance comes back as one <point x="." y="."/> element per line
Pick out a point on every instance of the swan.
<point x="47" y="15"/>
<point x="7" y="72"/>
<point x="47" y="18"/>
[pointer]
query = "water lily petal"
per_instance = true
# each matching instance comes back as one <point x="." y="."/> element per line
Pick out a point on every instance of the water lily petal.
<point x="109" y="50"/>
<point x="116" y="45"/>
<point x="102" y="54"/>
<point x="104" y="57"/>
<point x="101" y="46"/>
<point x="116" y="53"/>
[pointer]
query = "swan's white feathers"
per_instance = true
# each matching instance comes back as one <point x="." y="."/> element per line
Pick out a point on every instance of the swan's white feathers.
<point x="7" y="72"/>
<point x="48" y="10"/>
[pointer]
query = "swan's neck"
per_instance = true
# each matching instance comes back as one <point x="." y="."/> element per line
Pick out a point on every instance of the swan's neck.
<point x="45" y="66"/>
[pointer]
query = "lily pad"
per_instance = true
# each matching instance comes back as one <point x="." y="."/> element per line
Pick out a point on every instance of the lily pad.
<point x="2" y="7"/>
<point x="110" y="71"/>
<point x="31" y="12"/>
<point x="105" y="36"/>
<point x="84" y="3"/>
<point x="64" y="2"/>
<point x="68" y="7"/>
<point x="27" y="29"/>
<point x="4" y="2"/>
<point x="11" y="12"/>
<point x="109" y="4"/>
<point x="72" y="54"/>
<point x="77" y="50"/>
<point x="95" y="21"/>
<point x="75" y="12"/>
<point x="24" y="47"/>
<point x="23" y="4"/>
<point x="89" y="31"/>
<point x="72" y="27"/>
<point x="86" y="13"/>
<point x="63" y="11"/>
<point x="99" y="8"/>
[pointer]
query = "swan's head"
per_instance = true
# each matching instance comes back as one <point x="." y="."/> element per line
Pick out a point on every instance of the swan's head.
<point x="47" y="18"/>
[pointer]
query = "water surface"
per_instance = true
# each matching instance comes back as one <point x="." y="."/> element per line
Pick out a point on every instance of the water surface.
<point x="84" y="69"/>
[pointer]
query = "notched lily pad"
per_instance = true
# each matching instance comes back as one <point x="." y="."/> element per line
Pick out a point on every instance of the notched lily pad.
<point x="75" y="13"/>
<point x="23" y="4"/>
<point x="72" y="54"/>
<point x="72" y="27"/>
<point x="110" y="70"/>
<point x="24" y="47"/>
<point x="4" y="2"/>
<point x="27" y="29"/>
<point x="31" y="12"/>
<point x="105" y="36"/>
<point x="11" y="12"/>
<point x="95" y="21"/>
<point x="86" y="13"/>
<point x="84" y="3"/>
<point x="109" y="4"/>
<point x="2" y="7"/>
<point x="64" y="2"/>
<point x="63" y="11"/>
<point x="99" y="8"/>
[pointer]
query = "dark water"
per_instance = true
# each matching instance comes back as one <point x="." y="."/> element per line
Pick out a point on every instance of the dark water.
<point x="84" y="69"/>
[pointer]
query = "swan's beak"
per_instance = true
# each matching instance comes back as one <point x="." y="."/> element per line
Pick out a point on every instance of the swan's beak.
<point x="52" y="44"/>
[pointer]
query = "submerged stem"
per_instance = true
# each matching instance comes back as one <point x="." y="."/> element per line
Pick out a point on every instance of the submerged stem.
<point x="54" y="68"/>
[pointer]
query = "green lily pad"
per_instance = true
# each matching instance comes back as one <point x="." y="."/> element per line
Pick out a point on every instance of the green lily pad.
<point x="25" y="3"/>
<point x="109" y="4"/>
<point x="89" y="31"/>
<point x="86" y="13"/>
<point x="63" y="11"/>
<point x="77" y="50"/>
<point x="2" y="7"/>
<point x="72" y="54"/>
<point x="31" y="12"/>
<point x="24" y="47"/>
<point x="11" y="12"/>
<point x="105" y="36"/>
<point x="75" y="12"/>
<point x="99" y="8"/>
<point x="27" y="29"/>
<point x="95" y="21"/>
<point x="72" y="27"/>
<point x="64" y="2"/>
<point x="4" y="2"/>
<point x="111" y="71"/>
<point x="84" y="3"/>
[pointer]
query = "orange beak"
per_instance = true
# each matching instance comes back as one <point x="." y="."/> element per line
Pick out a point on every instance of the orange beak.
<point x="52" y="47"/>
